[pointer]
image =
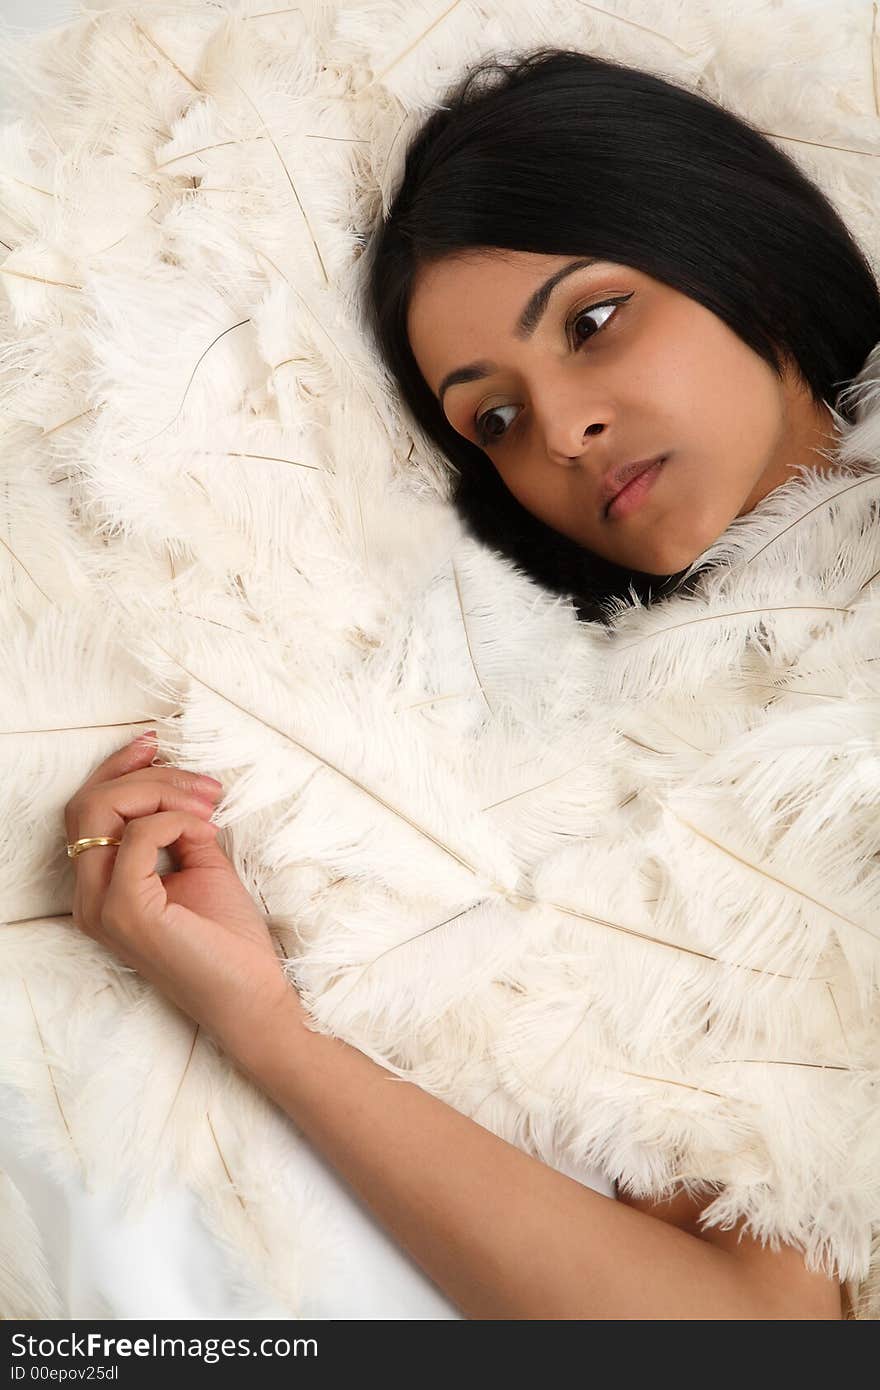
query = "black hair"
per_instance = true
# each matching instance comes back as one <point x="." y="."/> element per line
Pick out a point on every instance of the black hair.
<point x="566" y="153"/>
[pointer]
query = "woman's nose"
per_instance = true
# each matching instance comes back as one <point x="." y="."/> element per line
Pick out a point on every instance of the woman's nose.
<point x="569" y="411"/>
<point x="568" y="438"/>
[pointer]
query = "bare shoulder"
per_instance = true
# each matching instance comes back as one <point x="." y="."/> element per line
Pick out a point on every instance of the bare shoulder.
<point x="781" y="1272"/>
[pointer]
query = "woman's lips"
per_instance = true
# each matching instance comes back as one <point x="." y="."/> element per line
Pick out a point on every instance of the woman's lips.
<point x="632" y="496"/>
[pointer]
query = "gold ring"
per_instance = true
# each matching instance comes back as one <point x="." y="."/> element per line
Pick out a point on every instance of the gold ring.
<point x="88" y="842"/>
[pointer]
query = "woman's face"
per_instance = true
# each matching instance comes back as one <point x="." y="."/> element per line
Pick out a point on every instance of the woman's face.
<point x="588" y="386"/>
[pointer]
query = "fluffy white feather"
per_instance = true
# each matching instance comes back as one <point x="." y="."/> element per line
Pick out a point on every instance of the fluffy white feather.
<point x="26" y="1287"/>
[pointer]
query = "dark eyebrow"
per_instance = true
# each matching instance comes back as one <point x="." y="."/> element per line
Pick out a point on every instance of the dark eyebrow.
<point x="526" y="324"/>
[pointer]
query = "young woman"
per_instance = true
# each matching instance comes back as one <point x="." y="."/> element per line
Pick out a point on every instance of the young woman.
<point x="625" y="318"/>
<point x="640" y="273"/>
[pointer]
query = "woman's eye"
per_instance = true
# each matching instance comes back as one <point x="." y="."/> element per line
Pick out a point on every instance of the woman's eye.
<point x="491" y="434"/>
<point x="585" y="314"/>
<point x="486" y="432"/>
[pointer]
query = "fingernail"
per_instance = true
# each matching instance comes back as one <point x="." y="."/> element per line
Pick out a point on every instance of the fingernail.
<point x="208" y="788"/>
<point x="142" y="738"/>
<point x="204" y="780"/>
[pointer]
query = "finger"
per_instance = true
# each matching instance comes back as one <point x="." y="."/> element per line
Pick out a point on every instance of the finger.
<point x="81" y="806"/>
<point x="107" y="810"/>
<point x="137" y="753"/>
<point x="136" y="895"/>
<point x="167" y="774"/>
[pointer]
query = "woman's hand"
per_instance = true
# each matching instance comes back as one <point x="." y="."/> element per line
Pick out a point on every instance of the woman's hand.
<point x="197" y="934"/>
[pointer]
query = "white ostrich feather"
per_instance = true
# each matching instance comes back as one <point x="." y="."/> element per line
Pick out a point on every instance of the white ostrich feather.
<point x="60" y="992"/>
<point x="26" y="1287"/>
<point x="279" y="1231"/>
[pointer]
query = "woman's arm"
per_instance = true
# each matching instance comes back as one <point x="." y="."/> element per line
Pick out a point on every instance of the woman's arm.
<point x="502" y="1234"/>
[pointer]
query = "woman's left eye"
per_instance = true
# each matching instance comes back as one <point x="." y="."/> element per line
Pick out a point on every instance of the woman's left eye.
<point x="485" y="435"/>
<point x="594" y="308"/>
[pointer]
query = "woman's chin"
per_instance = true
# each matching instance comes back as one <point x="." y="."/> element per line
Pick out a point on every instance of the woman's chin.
<point x="667" y="553"/>
<point x="668" y="560"/>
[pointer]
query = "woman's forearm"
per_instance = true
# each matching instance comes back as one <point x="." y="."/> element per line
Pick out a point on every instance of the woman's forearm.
<point x="502" y="1234"/>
